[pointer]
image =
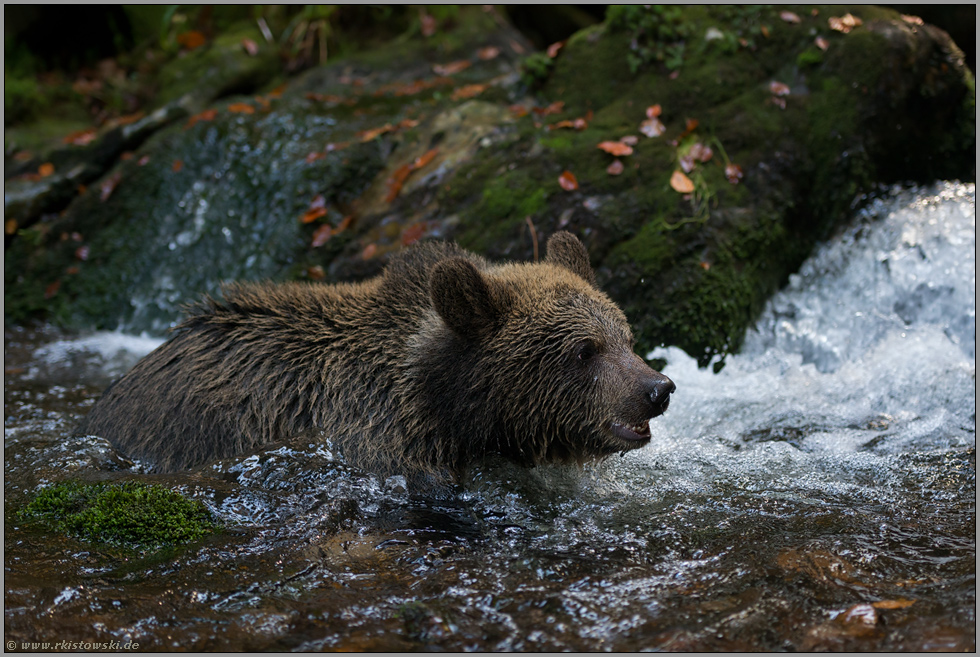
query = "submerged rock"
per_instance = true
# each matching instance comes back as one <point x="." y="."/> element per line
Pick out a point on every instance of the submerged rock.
<point x="744" y="149"/>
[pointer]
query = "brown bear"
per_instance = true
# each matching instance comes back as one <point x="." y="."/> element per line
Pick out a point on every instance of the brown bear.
<point x="443" y="359"/>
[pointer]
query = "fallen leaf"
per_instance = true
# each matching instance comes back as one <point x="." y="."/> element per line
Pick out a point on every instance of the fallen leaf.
<point x="701" y="152"/>
<point x="51" y="289"/>
<point x="615" y="168"/>
<point x="568" y="181"/>
<point x="321" y="235"/>
<point x="901" y="603"/>
<point x="654" y="111"/>
<point x="344" y="224"/>
<point x="554" y="48"/>
<point x="241" y="108"/>
<point x="413" y="233"/>
<point x="81" y="189"/>
<point x="177" y="165"/>
<point x="652" y="127"/>
<point x="912" y="20"/>
<point x="704" y="265"/>
<point x="789" y="17"/>
<point x="733" y="172"/>
<point x="631" y="140"/>
<point x="488" y="53"/>
<point x="206" y="115"/>
<point x="250" y="47"/>
<point x="395" y="182"/>
<point x="10" y="226"/>
<point x="318" y="202"/>
<point x="368" y="135"/>
<point x="277" y="92"/>
<point x="109" y="185"/>
<point x="468" y="91"/>
<point x="71" y="271"/>
<point x="407" y="123"/>
<point x="616" y="148"/>
<point x="845" y="23"/>
<point x="316" y="273"/>
<point x="681" y="183"/>
<point x="126" y="156"/>
<point x="324" y="98"/>
<point x="575" y="124"/>
<point x="312" y="215"/>
<point x="80" y="137"/>
<point x="127" y="120"/>
<point x="822" y="43"/>
<point x="338" y="146"/>
<point x="369" y="251"/>
<point x="143" y="161"/>
<point x="554" y="108"/>
<point x="518" y="111"/>
<point x="313" y="156"/>
<point x="45" y="169"/>
<point x="424" y="159"/>
<point x="778" y="89"/>
<point x="82" y="253"/>
<point x="452" y="67"/>
<point x="765" y="31"/>
<point x="191" y="40"/>
<point x="687" y="163"/>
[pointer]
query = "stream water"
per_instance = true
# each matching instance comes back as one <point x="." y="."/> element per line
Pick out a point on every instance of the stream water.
<point x="819" y="492"/>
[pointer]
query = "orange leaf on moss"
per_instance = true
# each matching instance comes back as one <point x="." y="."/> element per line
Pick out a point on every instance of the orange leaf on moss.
<point x="206" y="115"/>
<point x="177" y="165"/>
<point x="452" y="67"/>
<point x="369" y="251"/>
<point x="654" y="111"/>
<point x="80" y="137"/>
<point x="616" y="148"/>
<point x="468" y="91"/>
<point x="45" y="169"/>
<point x="615" y="168"/>
<point x="241" y="108"/>
<point x="321" y="235"/>
<point x="568" y="181"/>
<point x="681" y="183"/>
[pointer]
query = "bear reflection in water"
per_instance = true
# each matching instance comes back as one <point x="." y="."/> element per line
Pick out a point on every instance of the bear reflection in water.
<point x="442" y="360"/>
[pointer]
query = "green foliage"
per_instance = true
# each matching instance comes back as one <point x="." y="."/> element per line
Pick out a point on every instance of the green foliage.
<point x="22" y="99"/>
<point x="130" y="514"/>
<point x="658" y="33"/>
<point x="536" y="68"/>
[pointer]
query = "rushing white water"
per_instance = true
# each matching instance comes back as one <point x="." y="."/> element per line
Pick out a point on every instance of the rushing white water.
<point x="869" y="351"/>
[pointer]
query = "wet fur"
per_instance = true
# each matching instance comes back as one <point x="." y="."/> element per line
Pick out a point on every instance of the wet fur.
<point x="443" y="359"/>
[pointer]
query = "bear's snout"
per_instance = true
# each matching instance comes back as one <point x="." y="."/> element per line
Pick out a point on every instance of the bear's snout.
<point x="658" y="389"/>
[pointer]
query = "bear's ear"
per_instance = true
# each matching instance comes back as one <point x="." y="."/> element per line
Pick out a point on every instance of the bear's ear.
<point x="566" y="250"/>
<point x="471" y="304"/>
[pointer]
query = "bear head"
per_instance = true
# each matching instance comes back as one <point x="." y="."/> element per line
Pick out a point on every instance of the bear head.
<point x="537" y="363"/>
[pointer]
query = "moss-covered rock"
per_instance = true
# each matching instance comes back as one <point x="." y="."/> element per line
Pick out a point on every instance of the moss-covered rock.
<point x="129" y="514"/>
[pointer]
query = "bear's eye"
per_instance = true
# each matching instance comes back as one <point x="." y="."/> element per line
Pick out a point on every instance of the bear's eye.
<point x="586" y="352"/>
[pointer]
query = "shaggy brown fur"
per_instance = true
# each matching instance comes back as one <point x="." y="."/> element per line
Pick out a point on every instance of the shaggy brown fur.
<point x="441" y="360"/>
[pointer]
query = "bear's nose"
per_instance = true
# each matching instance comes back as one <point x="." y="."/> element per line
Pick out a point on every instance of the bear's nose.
<point x="659" y="391"/>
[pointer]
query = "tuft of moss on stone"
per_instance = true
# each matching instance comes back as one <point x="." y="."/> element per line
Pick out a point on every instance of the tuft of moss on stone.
<point x="130" y="513"/>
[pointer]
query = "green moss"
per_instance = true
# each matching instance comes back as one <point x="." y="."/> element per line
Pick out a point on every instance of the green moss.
<point x="130" y="514"/>
<point x="535" y="69"/>
<point x="810" y="57"/>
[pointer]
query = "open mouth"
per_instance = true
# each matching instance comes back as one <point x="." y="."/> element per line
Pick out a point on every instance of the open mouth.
<point x="631" y="433"/>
